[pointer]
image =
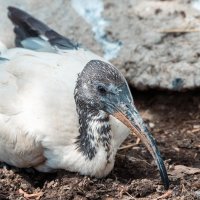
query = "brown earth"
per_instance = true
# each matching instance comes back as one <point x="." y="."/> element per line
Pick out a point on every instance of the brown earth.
<point x="174" y="120"/>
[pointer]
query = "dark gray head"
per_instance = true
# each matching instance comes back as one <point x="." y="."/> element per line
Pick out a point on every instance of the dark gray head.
<point x="101" y="87"/>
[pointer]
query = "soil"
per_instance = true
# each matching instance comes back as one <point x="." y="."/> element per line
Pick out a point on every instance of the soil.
<point x="174" y="120"/>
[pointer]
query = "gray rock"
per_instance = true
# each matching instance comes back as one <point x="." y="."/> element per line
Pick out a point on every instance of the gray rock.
<point x="160" y="39"/>
<point x="197" y="193"/>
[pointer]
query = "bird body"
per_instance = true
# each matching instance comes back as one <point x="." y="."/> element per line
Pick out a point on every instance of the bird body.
<point x="38" y="120"/>
<point x="63" y="107"/>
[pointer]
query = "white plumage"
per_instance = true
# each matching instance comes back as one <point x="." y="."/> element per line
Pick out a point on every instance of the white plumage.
<point x="38" y="119"/>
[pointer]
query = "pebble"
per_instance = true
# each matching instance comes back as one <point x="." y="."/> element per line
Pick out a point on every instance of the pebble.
<point x="50" y="184"/>
<point x="23" y="186"/>
<point x="197" y="193"/>
<point x="151" y="125"/>
<point x="196" y="126"/>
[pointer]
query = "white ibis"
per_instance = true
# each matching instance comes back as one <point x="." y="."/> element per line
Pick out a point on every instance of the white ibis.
<point x="63" y="107"/>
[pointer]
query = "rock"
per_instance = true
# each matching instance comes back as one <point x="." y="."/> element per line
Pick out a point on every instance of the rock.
<point x="151" y="125"/>
<point x="155" y="43"/>
<point x="23" y="186"/>
<point x="197" y="193"/>
<point x="154" y="55"/>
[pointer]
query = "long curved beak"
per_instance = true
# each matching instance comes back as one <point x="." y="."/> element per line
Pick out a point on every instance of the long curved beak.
<point x="129" y="116"/>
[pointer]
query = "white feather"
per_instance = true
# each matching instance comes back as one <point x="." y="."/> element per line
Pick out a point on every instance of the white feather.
<point x="38" y="119"/>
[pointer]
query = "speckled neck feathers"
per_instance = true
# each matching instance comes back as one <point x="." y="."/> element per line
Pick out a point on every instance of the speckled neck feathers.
<point x="94" y="131"/>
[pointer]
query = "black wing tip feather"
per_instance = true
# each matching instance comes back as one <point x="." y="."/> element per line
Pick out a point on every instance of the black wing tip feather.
<point x="18" y="16"/>
<point x="13" y="10"/>
<point x="27" y="26"/>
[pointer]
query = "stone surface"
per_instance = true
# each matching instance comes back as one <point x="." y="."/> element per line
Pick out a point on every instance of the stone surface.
<point x="160" y="39"/>
<point x="58" y="14"/>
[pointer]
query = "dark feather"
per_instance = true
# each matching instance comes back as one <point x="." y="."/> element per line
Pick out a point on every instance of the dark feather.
<point x="27" y="26"/>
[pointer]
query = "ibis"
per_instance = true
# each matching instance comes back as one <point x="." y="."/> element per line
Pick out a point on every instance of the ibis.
<point x="62" y="106"/>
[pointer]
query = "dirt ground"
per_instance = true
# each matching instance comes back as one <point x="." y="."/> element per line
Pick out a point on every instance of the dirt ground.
<point x="174" y="120"/>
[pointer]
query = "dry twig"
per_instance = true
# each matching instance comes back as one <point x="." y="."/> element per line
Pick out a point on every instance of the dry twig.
<point x="35" y="196"/>
<point x="165" y="195"/>
<point x="179" y="30"/>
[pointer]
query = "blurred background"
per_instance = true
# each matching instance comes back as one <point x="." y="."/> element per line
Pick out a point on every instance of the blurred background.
<point x="156" y="45"/>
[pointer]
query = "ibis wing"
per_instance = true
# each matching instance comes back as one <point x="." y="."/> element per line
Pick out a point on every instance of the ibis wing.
<point x="31" y="33"/>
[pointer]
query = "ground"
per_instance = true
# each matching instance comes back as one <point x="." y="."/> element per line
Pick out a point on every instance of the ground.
<point x="149" y="40"/>
<point x="174" y="120"/>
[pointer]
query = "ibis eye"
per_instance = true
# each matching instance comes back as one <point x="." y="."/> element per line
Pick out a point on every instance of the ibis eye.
<point x="101" y="89"/>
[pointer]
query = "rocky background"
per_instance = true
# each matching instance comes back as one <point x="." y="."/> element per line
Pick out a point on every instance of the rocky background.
<point x="155" y="43"/>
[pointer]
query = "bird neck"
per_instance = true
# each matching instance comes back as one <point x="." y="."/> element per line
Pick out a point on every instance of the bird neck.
<point x="95" y="131"/>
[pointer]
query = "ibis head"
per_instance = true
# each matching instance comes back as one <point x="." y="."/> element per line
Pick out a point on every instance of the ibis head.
<point x="102" y="87"/>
